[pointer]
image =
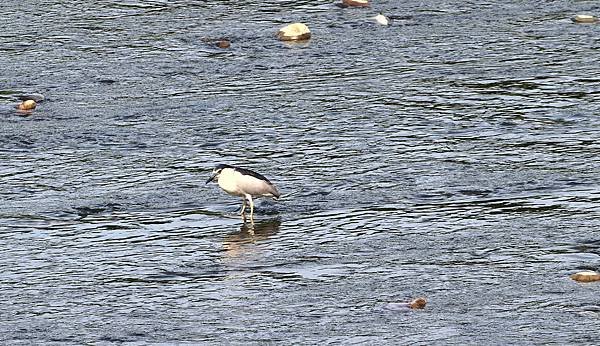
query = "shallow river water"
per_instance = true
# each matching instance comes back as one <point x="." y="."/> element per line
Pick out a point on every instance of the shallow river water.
<point x="452" y="155"/>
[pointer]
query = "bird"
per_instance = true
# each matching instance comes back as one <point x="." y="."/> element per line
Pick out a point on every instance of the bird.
<point x="244" y="183"/>
<point x="381" y="19"/>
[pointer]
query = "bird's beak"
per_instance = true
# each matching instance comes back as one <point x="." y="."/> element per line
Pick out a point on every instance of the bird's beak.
<point x="212" y="177"/>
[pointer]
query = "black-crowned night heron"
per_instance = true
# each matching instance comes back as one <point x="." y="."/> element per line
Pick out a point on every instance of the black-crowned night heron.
<point x="244" y="183"/>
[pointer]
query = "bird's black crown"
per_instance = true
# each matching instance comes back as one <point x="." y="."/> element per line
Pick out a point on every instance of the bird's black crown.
<point x="243" y="171"/>
<point x="221" y="166"/>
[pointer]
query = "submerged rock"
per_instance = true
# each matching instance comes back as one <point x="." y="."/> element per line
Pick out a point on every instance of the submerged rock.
<point x="219" y="42"/>
<point x="586" y="276"/>
<point x="294" y="32"/>
<point x="381" y="19"/>
<point x="417" y="303"/>
<point x="223" y="44"/>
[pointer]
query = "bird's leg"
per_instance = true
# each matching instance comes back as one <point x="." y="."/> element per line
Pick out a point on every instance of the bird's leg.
<point x="251" y="209"/>
<point x="243" y="206"/>
<point x="243" y="214"/>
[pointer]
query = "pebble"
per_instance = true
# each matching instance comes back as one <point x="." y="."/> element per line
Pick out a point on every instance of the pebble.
<point x="294" y="32"/>
<point x="586" y="276"/>
<point x="224" y="44"/>
<point x="355" y="3"/>
<point x="381" y="19"/>
<point x="585" y="18"/>
<point x="26" y="105"/>
<point x="417" y="303"/>
<point x="219" y="42"/>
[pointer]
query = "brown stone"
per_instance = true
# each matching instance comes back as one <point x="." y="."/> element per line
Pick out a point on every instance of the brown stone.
<point x="26" y="105"/>
<point x="356" y="3"/>
<point x="586" y="276"/>
<point x="418" y="303"/>
<point x="224" y="44"/>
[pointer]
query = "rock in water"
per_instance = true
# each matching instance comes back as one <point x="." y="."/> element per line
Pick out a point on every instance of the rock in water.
<point x="381" y="19"/>
<point x="585" y="18"/>
<point x="224" y="44"/>
<point x="355" y="3"/>
<point x="586" y="276"/>
<point x="418" y="303"/>
<point x="294" y="32"/>
<point x="26" y="105"/>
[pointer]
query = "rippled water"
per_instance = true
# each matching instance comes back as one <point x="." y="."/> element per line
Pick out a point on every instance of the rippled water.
<point x="452" y="155"/>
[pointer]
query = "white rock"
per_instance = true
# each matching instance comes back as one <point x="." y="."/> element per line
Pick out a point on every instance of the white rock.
<point x="294" y="32"/>
<point x="381" y="19"/>
<point x="585" y="18"/>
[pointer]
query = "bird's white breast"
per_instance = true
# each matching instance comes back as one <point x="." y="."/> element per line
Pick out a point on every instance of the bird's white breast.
<point x="229" y="182"/>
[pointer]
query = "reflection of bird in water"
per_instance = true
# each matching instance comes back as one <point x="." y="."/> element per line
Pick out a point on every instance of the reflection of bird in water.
<point x="243" y="183"/>
<point x="234" y="244"/>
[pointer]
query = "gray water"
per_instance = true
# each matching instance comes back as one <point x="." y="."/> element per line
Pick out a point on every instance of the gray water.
<point x="452" y="155"/>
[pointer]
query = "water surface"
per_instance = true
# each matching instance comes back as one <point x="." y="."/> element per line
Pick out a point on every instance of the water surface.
<point x="452" y="155"/>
